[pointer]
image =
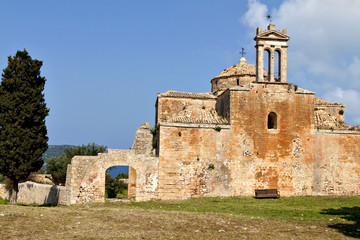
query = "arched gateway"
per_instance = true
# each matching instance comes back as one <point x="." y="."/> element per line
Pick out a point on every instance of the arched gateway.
<point x="85" y="179"/>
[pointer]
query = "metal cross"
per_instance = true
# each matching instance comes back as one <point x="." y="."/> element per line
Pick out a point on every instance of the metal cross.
<point x="269" y="17"/>
<point x="242" y="52"/>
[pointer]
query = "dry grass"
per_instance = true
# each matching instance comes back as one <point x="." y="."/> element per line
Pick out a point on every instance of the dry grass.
<point x="128" y="221"/>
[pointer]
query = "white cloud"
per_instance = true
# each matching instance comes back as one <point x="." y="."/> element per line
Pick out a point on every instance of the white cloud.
<point x="323" y="53"/>
<point x="256" y="15"/>
<point x="353" y="71"/>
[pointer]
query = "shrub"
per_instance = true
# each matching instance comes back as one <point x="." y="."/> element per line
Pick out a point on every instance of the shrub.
<point x="2" y="178"/>
<point x="218" y="129"/>
<point x="122" y="176"/>
<point x="114" y="187"/>
<point x="211" y="166"/>
<point x="57" y="166"/>
<point x="153" y="130"/>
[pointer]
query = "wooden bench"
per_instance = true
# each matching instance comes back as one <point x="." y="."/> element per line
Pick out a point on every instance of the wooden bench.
<point x="267" y="193"/>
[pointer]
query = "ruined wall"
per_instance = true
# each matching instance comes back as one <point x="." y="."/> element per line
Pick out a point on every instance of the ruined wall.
<point x="191" y="162"/>
<point x="87" y="183"/>
<point x="143" y="140"/>
<point x="30" y="192"/>
<point x="4" y="194"/>
<point x="337" y="110"/>
<point x="85" y="177"/>
<point x="337" y="166"/>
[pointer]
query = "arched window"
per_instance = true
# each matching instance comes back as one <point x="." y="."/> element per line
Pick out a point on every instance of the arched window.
<point x="277" y="65"/>
<point x="267" y="61"/>
<point x="272" y="121"/>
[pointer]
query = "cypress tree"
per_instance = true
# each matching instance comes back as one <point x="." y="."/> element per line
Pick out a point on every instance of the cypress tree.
<point x="23" y="110"/>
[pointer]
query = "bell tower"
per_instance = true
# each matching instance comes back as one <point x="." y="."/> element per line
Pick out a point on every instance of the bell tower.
<point x="273" y="42"/>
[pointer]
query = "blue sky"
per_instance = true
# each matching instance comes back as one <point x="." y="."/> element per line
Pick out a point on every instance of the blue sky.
<point x="105" y="61"/>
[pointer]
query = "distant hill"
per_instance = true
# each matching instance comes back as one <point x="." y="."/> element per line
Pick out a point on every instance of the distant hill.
<point x="54" y="151"/>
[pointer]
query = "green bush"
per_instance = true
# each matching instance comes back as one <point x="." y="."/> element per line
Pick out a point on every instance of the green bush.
<point x="2" y="178"/>
<point x="57" y="166"/>
<point x="218" y="129"/>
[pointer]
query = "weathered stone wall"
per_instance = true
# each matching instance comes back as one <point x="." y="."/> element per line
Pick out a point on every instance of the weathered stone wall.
<point x="87" y="183"/>
<point x="132" y="183"/>
<point x="337" y="110"/>
<point x="143" y="140"/>
<point x="337" y="166"/>
<point x="198" y="161"/>
<point x="30" y="192"/>
<point x="4" y="194"/>
<point x="264" y="158"/>
<point x="191" y="161"/>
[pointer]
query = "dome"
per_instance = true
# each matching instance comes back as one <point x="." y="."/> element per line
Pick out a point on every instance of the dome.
<point x="242" y="68"/>
<point x="236" y="75"/>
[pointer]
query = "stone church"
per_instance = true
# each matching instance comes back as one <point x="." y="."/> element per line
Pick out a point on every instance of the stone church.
<point x="254" y="130"/>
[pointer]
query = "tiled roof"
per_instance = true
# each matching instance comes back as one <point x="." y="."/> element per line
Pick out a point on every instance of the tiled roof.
<point x="207" y="95"/>
<point x="240" y="69"/>
<point x="194" y="114"/>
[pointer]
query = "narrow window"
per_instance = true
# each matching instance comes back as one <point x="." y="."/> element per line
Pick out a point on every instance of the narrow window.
<point x="237" y="82"/>
<point x="267" y="61"/>
<point x="277" y="65"/>
<point x="272" y="121"/>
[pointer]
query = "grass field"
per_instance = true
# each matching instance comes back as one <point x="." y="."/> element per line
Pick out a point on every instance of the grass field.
<point x="203" y="218"/>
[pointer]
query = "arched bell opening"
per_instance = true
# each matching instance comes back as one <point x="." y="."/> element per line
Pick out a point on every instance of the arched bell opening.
<point x="277" y="65"/>
<point x="267" y="62"/>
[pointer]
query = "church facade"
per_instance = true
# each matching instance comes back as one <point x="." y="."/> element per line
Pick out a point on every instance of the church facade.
<point x="254" y="130"/>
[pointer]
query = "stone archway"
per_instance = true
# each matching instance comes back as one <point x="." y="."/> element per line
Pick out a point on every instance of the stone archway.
<point x="85" y="179"/>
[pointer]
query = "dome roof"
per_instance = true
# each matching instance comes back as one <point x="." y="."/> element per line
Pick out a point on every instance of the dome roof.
<point x="241" y="69"/>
